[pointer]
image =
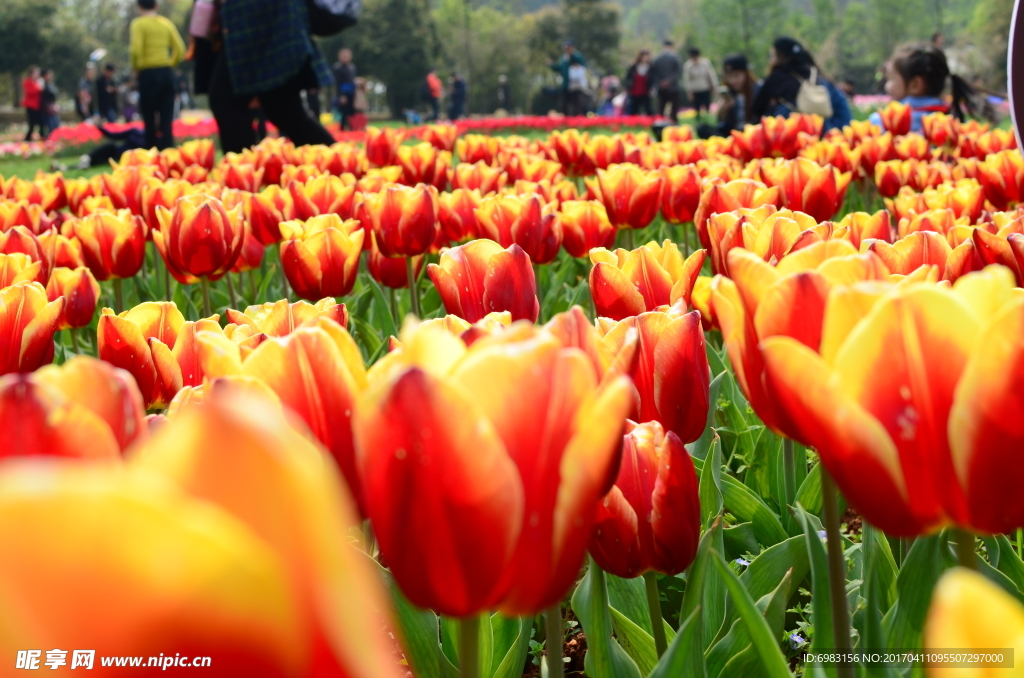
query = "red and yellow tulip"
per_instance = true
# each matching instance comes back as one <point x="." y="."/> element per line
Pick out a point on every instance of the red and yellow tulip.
<point x="525" y="221"/>
<point x="320" y="256"/>
<point x="631" y="196"/>
<point x="625" y="284"/>
<point x="199" y="238"/>
<point x="481" y="277"/>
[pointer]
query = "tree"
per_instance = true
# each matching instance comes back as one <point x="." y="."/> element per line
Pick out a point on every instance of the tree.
<point x="746" y="26"/>
<point x="594" y="27"/>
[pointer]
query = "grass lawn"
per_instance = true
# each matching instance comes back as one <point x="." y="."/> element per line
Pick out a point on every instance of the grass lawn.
<point x="26" y="168"/>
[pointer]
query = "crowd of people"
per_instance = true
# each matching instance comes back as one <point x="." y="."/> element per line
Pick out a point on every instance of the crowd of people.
<point x="257" y="61"/>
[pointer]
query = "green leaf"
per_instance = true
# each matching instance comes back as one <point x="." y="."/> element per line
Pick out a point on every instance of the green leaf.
<point x="740" y="540"/>
<point x="382" y="310"/>
<point x="876" y="562"/>
<point x="1009" y="562"/>
<point x="605" y="658"/>
<point x="764" y="466"/>
<point x="418" y="635"/>
<point x="637" y="643"/>
<point x="702" y="446"/>
<point x="745" y="662"/>
<point x="696" y="576"/>
<point x="921" y="570"/>
<point x="508" y="658"/>
<point x="710" y="487"/>
<point x="685" y="654"/>
<point x="747" y="506"/>
<point x="629" y="596"/>
<point x="809" y="493"/>
<point x="773" y="662"/>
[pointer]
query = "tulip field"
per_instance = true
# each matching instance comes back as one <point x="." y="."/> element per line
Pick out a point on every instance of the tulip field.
<point x="442" y="403"/>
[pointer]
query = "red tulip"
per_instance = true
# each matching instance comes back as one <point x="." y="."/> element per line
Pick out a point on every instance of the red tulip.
<point x="480" y="277"/>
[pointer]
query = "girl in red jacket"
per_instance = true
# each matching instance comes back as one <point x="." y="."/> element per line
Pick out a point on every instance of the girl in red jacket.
<point x="32" y="86"/>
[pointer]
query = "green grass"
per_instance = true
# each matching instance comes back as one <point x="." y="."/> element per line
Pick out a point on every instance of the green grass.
<point x="26" y="168"/>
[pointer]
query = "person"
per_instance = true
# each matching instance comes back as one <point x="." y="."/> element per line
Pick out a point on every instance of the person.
<point x="106" y="94"/>
<point x="504" y="103"/>
<point x="666" y="73"/>
<point x="917" y="75"/>
<point x="48" y="103"/>
<point x="741" y="86"/>
<point x="267" y="53"/>
<point x="345" y="81"/>
<point x="579" y="90"/>
<point x="360" y="105"/>
<point x="432" y="88"/>
<point x="939" y="40"/>
<point x="848" y="87"/>
<point x="699" y="80"/>
<point x="156" y="48"/>
<point x="184" y="100"/>
<point x="32" y="90"/>
<point x="790" y="66"/>
<point x="570" y="57"/>
<point x="130" y="138"/>
<point x="84" y="94"/>
<point x="638" y="85"/>
<point x="457" y="100"/>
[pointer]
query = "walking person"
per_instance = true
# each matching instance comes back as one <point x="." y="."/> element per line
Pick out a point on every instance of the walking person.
<point x="638" y="85"/>
<point x="267" y="55"/>
<point x="504" y="101"/>
<point x="457" y="98"/>
<point x="667" y="70"/>
<point x="31" y="94"/>
<point x="155" y="47"/>
<point x="699" y="80"/>
<point x="345" y="81"/>
<point x="106" y="94"/>
<point x="84" y="94"/>
<point x="570" y="57"/>
<point x="48" y="104"/>
<point x="432" y="88"/>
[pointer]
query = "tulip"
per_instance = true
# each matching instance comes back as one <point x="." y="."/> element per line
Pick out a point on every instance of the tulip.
<point x="281" y="318"/>
<point x="251" y="256"/>
<point x="569" y="147"/>
<point x="896" y="118"/>
<point x="239" y="498"/>
<point x="17" y="267"/>
<point x="585" y="225"/>
<point x="123" y="185"/>
<point x="474" y="148"/>
<point x="1002" y="177"/>
<point x="377" y="178"/>
<point x="324" y="194"/>
<point x="480" y="277"/>
<point x="382" y="146"/>
<point x="201" y="152"/>
<point x="456" y="213"/>
<point x="389" y="271"/>
<point x="113" y="243"/>
<point x="942" y="221"/>
<point x="995" y="141"/>
<point x="863" y="226"/>
<point x="969" y="611"/>
<point x="165" y="193"/>
<point x="807" y="187"/>
<point x="479" y="176"/>
<point x="523" y="519"/>
<point x="156" y="345"/>
<point x="96" y="203"/>
<point x="81" y="293"/>
<point x="602" y="152"/>
<point x="265" y="211"/>
<point x="242" y="176"/>
<point x="199" y="240"/>
<point x="941" y="129"/>
<point x="924" y="248"/>
<point x="339" y="159"/>
<point x="21" y="240"/>
<point x="669" y="369"/>
<point x="650" y="520"/>
<point x="46" y="190"/>
<point x="80" y="189"/>
<point x="424" y="164"/>
<point x="838" y="154"/>
<point x="403" y="219"/>
<point x="912" y="146"/>
<point x="441" y="137"/>
<point x="908" y="401"/>
<point x="28" y="321"/>
<point x="299" y="174"/>
<point x="320" y="256"/>
<point x="22" y="213"/>
<point x="625" y="284"/>
<point x="523" y="221"/>
<point x="680" y="194"/>
<point x="38" y="418"/>
<point x="65" y="251"/>
<point x="317" y="371"/>
<point x="534" y="169"/>
<point x="721" y="198"/>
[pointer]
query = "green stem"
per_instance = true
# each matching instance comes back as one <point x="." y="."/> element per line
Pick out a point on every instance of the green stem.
<point x="654" y="609"/>
<point x="1020" y="543"/>
<point x="965" y="549"/>
<point x="686" y="240"/>
<point x="118" y="295"/>
<point x="284" y="278"/>
<point x="207" y="308"/>
<point x="231" y="291"/>
<point x="469" y="646"/>
<point x="252" y="285"/>
<point x="368" y="537"/>
<point x="788" y="470"/>
<point x="394" y="307"/>
<point x="74" y="341"/>
<point x="414" y="292"/>
<point x="553" y="624"/>
<point x="836" y="573"/>
<point x="629" y="238"/>
<point x="540" y="292"/>
<point x="167" y="283"/>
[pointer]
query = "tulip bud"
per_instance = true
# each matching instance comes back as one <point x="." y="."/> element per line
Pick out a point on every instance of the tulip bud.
<point x="390" y="271"/>
<point x="456" y="213"/>
<point x="480" y="277"/>
<point x="404" y="220"/>
<point x="524" y="221"/>
<point x="17" y="267"/>
<point x="113" y="244"/>
<point x="650" y="520"/>
<point x="28" y="321"/>
<point x="81" y="293"/>
<point x="321" y="255"/>
<point x="199" y="239"/>
<point x="382" y="146"/>
<point x="585" y="225"/>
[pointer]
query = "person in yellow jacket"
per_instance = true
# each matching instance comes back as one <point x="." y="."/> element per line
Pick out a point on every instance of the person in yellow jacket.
<point x="156" y="47"/>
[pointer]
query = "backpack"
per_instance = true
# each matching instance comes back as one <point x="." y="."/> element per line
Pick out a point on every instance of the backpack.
<point x="329" y="17"/>
<point x="578" y="78"/>
<point x="813" y="97"/>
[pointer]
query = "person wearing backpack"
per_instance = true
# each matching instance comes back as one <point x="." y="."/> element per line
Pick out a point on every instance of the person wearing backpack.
<point x="570" y="57"/>
<point x="794" y="85"/>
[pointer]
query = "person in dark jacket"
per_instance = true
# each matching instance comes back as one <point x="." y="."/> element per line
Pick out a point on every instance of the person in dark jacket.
<point x="457" y="98"/>
<point x="790" y="66"/>
<point x="129" y="139"/>
<point x="638" y="85"/>
<point x="106" y="94"/>
<point x="267" y="54"/>
<point x="48" y="103"/>
<point x="739" y="91"/>
<point x="570" y="57"/>
<point x="667" y="70"/>
<point x="345" y="80"/>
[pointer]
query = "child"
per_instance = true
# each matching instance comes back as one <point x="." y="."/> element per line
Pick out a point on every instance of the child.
<point x="917" y="76"/>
